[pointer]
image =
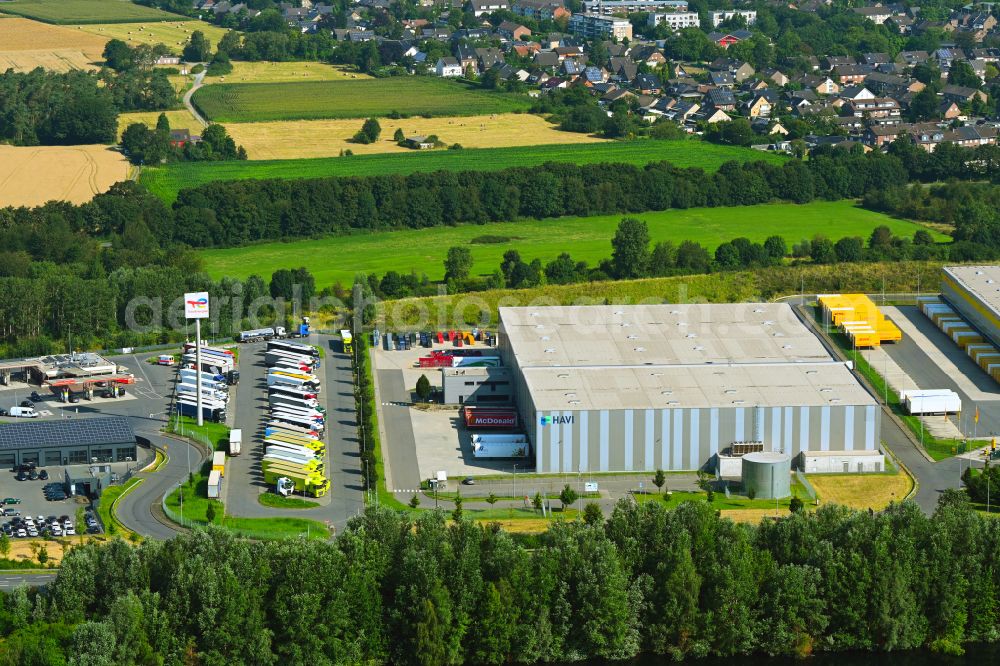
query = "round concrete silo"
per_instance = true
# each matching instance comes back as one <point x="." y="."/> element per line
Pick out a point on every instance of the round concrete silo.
<point x="767" y="474"/>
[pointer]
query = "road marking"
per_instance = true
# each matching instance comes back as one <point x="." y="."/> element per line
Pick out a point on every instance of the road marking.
<point x="45" y="412"/>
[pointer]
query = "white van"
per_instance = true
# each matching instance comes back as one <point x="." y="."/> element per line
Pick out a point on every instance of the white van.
<point x="23" y="412"/>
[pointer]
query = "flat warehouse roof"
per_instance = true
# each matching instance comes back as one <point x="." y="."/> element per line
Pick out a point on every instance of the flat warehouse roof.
<point x="983" y="282"/>
<point x="658" y="334"/>
<point x="674" y="356"/>
<point x="66" y="432"/>
<point x="705" y="386"/>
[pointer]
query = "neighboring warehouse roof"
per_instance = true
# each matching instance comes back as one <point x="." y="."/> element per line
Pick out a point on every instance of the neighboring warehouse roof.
<point x="982" y="282"/>
<point x="674" y="356"/>
<point x="66" y="433"/>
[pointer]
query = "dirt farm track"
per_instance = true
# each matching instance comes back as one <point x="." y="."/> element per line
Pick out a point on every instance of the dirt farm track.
<point x="32" y="175"/>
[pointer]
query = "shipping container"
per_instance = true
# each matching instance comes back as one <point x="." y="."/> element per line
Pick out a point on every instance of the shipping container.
<point x="490" y="417"/>
<point x="930" y="402"/>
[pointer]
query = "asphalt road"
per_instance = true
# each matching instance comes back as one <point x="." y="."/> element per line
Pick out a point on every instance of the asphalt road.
<point x="10" y="580"/>
<point x="244" y="480"/>
<point x="400" y="445"/>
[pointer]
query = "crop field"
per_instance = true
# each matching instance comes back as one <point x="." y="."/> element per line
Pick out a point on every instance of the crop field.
<point x="32" y="175"/>
<point x="26" y="45"/>
<point x="173" y="34"/>
<point x="327" y="138"/>
<point x="585" y="238"/>
<point x="168" y="180"/>
<point x="84" y="11"/>
<point x="257" y="102"/>
<point x="279" y="72"/>
<point x="179" y="119"/>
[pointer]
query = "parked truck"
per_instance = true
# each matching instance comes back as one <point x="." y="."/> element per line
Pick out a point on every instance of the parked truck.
<point x="494" y="418"/>
<point x="931" y="401"/>
<point x="348" y="340"/>
<point x="259" y="334"/>
<point x="309" y="403"/>
<point x="277" y="426"/>
<point x="219" y="462"/>
<point x="294" y="347"/>
<point x="272" y="460"/>
<point x="511" y="445"/>
<point x="313" y="484"/>
<point x="214" y="484"/>
<point x="235" y="441"/>
<point x="311" y="446"/>
<point x="298" y="421"/>
<point x="293" y="391"/>
<point x="209" y="410"/>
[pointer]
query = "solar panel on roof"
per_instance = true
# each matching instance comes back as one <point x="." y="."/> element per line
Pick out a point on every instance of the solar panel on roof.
<point x="66" y="432"/>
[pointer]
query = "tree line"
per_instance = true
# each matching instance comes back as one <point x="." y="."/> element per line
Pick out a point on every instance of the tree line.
<point x="222" y="214"/>
<point x="143" y="145"/>
<point x="415" y="589"/>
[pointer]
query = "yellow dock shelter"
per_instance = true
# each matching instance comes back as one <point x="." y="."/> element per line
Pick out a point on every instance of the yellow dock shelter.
<point x="859" y="319"/>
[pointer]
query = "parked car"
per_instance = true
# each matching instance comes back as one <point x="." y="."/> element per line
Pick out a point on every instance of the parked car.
<point x="69" y="531"/>
<point x="21" y="532"/>
<point x="12" y="500"/>
<point x="27" y="403"/>
<point x="21" y="476"/>
<point x="165" y="359"/>
<point x="35" y="397"/>
<point x="74" y="398"/>
<point x="33" y="475"/>
<point x="3" y="412"/>
<point x="468" y="481"/>
<point x="43" y="475"/>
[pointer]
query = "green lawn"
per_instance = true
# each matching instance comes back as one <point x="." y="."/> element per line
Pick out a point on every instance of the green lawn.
<point x="196" y="503"/>
<point x="589" y="238"/>
<point x="281" y="502"/>
<point x="85" y="11"/>
<point x="106" y="506"/>
<point x="167" y="181"/>
<point x="213" y="435"/>
<point x="721" y="502"/>
<point x="310" y="100"/>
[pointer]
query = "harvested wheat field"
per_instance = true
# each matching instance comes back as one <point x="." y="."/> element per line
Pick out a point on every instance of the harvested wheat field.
<point x="178" y="119"/>
<point x="26" y="44"/>
<point x="274" y="72"/>
<point x="32" y="175"/>
<point x="172" y="34"/>
<point x="859" y="491"/>
<point x="327" y="138"/>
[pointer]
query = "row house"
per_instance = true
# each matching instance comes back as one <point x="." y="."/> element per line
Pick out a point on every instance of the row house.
<point x="540" y="10"/>
<point x="883" y="108"/>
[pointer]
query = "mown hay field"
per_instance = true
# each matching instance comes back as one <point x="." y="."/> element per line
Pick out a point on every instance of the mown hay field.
<point x="585" y="238"/>
<point x="178" y="119"/>
<point x="278" y="72"/>
<point x="32" y="175"/>
<point x="860" y="491"/>
<point x="84" y="11"/>
<point x="168" y="180"/>
<point x="259" y="102"/>
<point x="172" y="34"/>
<point x="25" y="45"/>
<point x="327" y="138"/>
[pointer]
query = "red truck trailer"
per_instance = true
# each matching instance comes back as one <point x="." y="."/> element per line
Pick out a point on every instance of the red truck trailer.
<point x="496" y="418"/>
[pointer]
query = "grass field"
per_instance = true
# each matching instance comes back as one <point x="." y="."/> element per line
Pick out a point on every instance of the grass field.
<point x="587" y="238"/>
<point x="167" y="181"/>
<point x="861" y="491"/>
<point x="32" y="175"/>
<point x="26" y="44"/>
<point x="278" y="72"/>
<point x="173" y="34"/>
<point x="256" y="102"/>
<point x="179" y="119"/>
<point x="84" y="11"/>
<point x="327" y="138"/>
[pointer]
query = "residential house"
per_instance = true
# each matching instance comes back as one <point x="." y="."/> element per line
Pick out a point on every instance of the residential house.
<point x="648" y="84"/>
<point x="891" y="85"/>
<point x="540" y="10"/>
<point x="683" y="111"/>
<point x="759" y="106"/>
<point x="883" y="108"/>
<point x="874" y="59"/>
<point x="961" y="94"/>
<point x="851" y="74"/>
<point x="823" y="85"/>
<point x="722" y="79"/>
<point x="514" y="31"/>
<point x="623" y="69"/>
<point x="776" y="77"/>
<point x="546" y="59"/>
<point x="721" y="99"/>
<point x="418" y="143"/>
<point x="593" y="75"/>
<point x="572" y="68"/>
<point x="754" y="85"/>
<point x="913" y="58"/>
<point x="852" y="93"/>
<point x="926" y="137"/>
<point x="716" y="116"/>
<point x="970" y="136"/>
<point x="554" y="82"/>
<point x="649" y="54"/>
<point x="182" y="137"/>
<point x="727" y="39"/>
<point x="448" y="66"/>
<point x="527" y="49"/>
<point x="481" y="7"/>
<point x="949" y="110"/>
<point x="486" y="58"/>
<point x="879" y="136"/>
<point x="467" y="57"/>
<point x="832" y="62"/>
<point x="878" y="14"/>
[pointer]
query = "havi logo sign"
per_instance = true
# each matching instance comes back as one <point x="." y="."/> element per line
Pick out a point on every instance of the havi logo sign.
<point x="558" y="420"/>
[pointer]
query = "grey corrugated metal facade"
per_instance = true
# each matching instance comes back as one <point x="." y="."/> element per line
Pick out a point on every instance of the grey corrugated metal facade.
<point x="834" y="414"/>
<point x="688" y="438"/>
<point x="476" y="386"/>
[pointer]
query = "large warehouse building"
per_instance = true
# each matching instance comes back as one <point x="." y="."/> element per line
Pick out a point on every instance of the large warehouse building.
<point x="630" y="388"/>
<point x="974" y="292"/>
<point x="67" y="441"/>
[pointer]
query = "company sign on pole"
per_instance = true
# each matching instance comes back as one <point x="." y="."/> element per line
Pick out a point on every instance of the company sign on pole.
<point x="196" y="305"/>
